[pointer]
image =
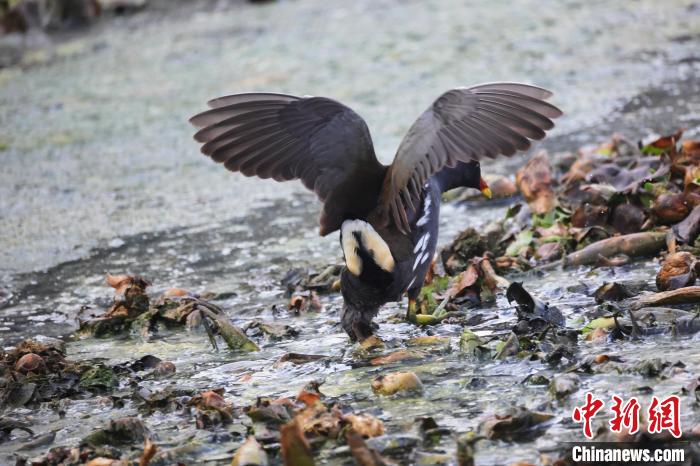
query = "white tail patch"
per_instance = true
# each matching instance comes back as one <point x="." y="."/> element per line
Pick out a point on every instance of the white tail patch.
<point x="371" y="241"/>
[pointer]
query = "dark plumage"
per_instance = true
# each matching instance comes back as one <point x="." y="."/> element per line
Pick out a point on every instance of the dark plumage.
<point x="388" y="215"/>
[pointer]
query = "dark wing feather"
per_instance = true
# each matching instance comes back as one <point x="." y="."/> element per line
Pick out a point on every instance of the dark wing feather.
<point x="463" y="124"/>
<point x="317" y="140"/>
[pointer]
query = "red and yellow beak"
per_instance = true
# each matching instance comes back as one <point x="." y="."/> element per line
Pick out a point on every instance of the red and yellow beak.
<point x="484" y="188"/>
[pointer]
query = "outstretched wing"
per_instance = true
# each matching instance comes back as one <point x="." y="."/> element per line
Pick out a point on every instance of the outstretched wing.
<point x="317" y="140"/>
<point x="463" y="124"/>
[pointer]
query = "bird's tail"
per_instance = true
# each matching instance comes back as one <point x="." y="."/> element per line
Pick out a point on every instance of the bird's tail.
<point x="362" y="243"/>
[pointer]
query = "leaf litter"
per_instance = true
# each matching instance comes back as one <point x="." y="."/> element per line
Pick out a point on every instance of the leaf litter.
<point x="612" y="206"/>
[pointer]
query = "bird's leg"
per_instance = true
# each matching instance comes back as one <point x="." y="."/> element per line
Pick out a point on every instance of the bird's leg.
<point x="411" y="311"/>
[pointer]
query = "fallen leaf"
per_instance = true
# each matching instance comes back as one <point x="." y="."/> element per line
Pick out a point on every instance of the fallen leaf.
<point x="390" y="384"/>
<point x="365" y="425"/>
<point x="670" y="208"/>
<point x="361" y="453"/>
<point x="677" y="271"/>
<point x="535" y="183"/>
<point x="549" y="252"/>
<point x="295" y="449"/>
<point x="30" y="362"/>
<point x="250" y="453"/>
<point x="518" y="425"/>
<point x="149" y="451"/>
<point x="396" y="356"/>
<point x="627" y="218"/>
<point x="688" y="230"/>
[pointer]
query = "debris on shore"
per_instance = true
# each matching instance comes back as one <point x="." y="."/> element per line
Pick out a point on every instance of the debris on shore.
<point x="479" y="316"/>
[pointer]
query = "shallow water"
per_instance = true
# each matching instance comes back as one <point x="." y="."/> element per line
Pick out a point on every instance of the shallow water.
<point x="99" y="174"/>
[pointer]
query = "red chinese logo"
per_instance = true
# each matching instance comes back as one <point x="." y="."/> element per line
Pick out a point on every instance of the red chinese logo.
<point x="665" y="415"/>
<point x="626" y="416"/>
<point x="662" y="414"/>
<point x="586" y="413"/>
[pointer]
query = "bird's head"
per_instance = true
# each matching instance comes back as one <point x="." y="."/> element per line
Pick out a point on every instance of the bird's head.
<point x="357" y="321"/>
<point x="361" y="303"/>
<point x="474" y="179"/>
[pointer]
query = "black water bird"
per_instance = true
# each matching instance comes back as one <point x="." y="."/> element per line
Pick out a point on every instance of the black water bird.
<point x="387" y="215"/>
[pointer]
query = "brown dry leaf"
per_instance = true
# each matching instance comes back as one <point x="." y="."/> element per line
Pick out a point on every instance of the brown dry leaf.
<point x="176" y="292"/>
<point x="365" y="424"/>
<point x="502" y="187"/>
<point x="361" y="453"/>
<point x="517" y="425"/>
<point x="149" y="451"/>
<point x="601" y="358"/>
<point x="691" y="175"/>
<point x="211" y="408"/>
<point x="491" y="281"/>
<point x="666" y="143"/>
<point x="295" y="449"/>
<point x="308" y="301"/>
<point x="628" y="178"/>
<point x="396" y="382"/>
<point x="319" y="420"/>
<point x="670" y="208"/>
<point x="371" y="342"/>
<point x="677" y="271"/>
<point x="549" y="252"/>
<point x="627" y="218"/>
<point x="597" y="335"/>
<point x="535" y="182"/>
<point x="308" y="398"/>
<point x="30" y="362"/>
<point x="691" y="192"/>
<point x="588" y="215"/>
<point x="212" y="399"/>
<point x="127" y="284"/>
<point x="688" y="230"/>
<point x="507" y="263"/>
<point x="396" y="356"/>
<point x="588" y="158"/>
<point x="100" y="461"/>
<point x="596" y="193"/>
<point x="465" y="280"/>
<point x="690" y="153"/>
<point x="118" y="282"/>
<point x="250" y="453"/>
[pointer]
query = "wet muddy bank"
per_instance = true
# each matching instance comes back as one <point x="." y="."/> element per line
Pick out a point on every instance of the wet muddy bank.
<point x="100" y="175"/>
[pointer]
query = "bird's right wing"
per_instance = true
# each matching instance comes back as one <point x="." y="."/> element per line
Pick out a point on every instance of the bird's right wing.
<point x="461" y="125"/>
<point x="317" y="140"/>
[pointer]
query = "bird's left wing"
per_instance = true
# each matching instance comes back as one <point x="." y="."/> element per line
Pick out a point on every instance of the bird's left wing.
<point x="461" y="125"/>
<point x="315" y="139"/>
